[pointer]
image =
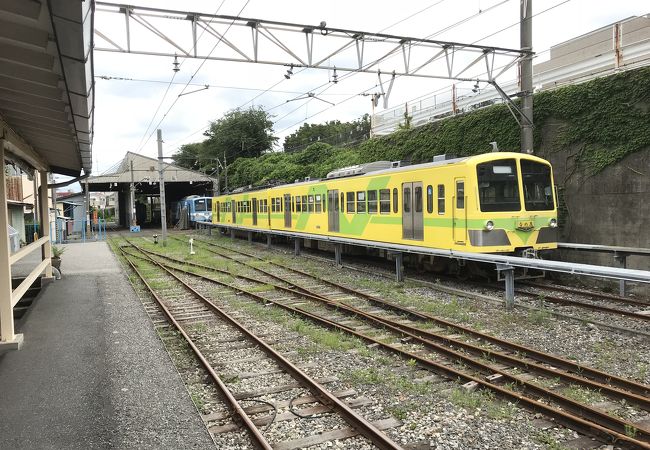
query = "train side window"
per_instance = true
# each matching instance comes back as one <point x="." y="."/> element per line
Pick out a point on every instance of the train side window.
<point x="361" y="202"/>
<point x="441" y="199"/>
<point x="460" y="194"/>
<point x="317" y="203"/>
<point x="342" y="202"/>
<point x="407" y="200"/>
<point x="429" y="199"/>
<point x="384" y="201"/>
<point x="395" y="200"/>
<point x="298" y="204"/>
<point x="310" y="203"/>
<point x="372" y="202"/>
<point x="324" y="209"/>
<point x="417" y="192"/>
<point x="304" y="203"/>
<point x="351" y="208"/>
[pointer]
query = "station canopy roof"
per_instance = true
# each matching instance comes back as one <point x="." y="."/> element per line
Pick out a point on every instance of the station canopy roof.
<point x="145" y="170"/>
<point x="46" y="83"/>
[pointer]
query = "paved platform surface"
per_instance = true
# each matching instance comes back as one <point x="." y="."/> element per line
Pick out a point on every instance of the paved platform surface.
<point x="92" y="373"/>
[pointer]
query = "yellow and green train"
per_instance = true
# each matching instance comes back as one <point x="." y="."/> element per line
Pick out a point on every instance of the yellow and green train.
<point x="497" y="202"/>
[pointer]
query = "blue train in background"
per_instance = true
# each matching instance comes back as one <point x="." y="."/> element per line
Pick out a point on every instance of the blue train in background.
<point x="191" y="210"/>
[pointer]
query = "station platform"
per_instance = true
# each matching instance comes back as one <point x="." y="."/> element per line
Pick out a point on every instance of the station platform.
<point x="92" y="372"/>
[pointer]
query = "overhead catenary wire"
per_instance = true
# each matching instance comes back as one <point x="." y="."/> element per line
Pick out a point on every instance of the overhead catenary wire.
<point x="399" y="76"/>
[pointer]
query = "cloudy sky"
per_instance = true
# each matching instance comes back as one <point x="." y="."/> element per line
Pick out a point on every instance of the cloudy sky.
<point x="134" y="94"/>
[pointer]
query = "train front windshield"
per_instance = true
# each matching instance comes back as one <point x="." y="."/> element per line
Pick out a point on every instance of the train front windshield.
<point x="203" y="204"/>
<point x="498" y="186"/>
<point x="538" y="189"/>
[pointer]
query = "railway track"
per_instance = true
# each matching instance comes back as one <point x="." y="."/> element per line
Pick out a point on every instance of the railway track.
<point x="495" y="364"/>
<point x="181" y="304"/>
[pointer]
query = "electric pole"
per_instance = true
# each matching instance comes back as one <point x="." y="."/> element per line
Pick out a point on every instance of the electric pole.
<point x="161" y="184"/>
<point x="526" y="75"/>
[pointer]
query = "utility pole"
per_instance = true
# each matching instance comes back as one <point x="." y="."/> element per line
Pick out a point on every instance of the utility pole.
<point x="132" y="217"/>
<point x="526" y="75"/>
<point x="225" y="170"/>
<point x="161" y="184"/>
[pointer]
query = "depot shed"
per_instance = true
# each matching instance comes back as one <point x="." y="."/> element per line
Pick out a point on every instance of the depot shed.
<point x="136" y="180"/>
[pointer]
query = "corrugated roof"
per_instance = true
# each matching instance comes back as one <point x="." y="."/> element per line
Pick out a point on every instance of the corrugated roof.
<point x="145" y="169"/>
<point x="46" y="82"/>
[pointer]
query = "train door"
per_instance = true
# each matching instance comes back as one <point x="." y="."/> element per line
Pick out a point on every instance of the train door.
<point x="459" y="212"/>
<point x="254" y="211"/>
<point x="218" y="209"/>
<point x="287" y="210"/>
<point x="412" y="216"/>
<point x="333" y="210"/>
<point x="234" y="211"/>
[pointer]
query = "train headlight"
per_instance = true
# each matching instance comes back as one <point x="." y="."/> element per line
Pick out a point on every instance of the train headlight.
<point x="489" y="225"/>
<point x="552" y="223"/>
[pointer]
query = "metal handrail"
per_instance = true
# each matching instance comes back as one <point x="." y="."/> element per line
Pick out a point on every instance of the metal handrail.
<point x="641" y="276"/>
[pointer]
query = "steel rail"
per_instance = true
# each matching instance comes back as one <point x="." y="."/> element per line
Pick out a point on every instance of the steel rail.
<point x="256" y="435"/>
<point x="636" y="397"/>
<point x="572" y="421"/>
<point x="586" y="293"/>
<point x="595" y="374"/>
<point x="367" y="429"/>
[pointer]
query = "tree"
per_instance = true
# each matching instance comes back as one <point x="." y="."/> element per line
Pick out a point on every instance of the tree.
<point x="246" y="134"/>
<point x="189" y="156"/>
<point x="334" y="133"/>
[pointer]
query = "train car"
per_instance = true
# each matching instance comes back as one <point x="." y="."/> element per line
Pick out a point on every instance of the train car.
<point x="497" y="202"/>
<point x="199" y="209"/>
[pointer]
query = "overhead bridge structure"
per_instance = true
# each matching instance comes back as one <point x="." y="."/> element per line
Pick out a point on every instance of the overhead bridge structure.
<point x="162" y="32"/>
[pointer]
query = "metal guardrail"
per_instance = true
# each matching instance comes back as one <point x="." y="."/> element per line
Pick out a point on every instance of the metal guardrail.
<point x="504" y="264"/>
<point x="620" y="254"/>
<point x="66" y="231"/>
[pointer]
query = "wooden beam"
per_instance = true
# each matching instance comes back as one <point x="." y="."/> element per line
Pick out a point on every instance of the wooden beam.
<point x="6" y="308"/>
<point x="15" y="144"/>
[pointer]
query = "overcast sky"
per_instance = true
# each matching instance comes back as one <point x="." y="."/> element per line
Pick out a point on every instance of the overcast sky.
<point x="124" y="109"/>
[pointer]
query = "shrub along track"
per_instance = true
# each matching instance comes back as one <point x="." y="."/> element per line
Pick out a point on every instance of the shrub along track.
<point x="446" y="354"/>
<point x="182" y="304"/>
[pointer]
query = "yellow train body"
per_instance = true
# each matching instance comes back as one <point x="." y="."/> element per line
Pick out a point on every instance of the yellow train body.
<point x="491" y="203"/>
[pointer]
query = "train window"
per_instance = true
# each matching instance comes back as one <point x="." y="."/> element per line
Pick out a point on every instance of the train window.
<point x="317" y="203"/>
<point x="417" y="192"/>
<point x="460" y="194"/>
<point x="395" y="200"/>
<point x="342" y="203"/>
<point x="384" y="201"/>
<point x="441" y="199"/>
<point x="361" y="201"/>
<point x="407" y="200"/>
<point x="310" y="203"/>
<point x="298" y="204"/>
<point x="351" y="207"/>
<point x="324" y="204"/>
<point x="429" y="199"/>
<point x="280" y="204"/>
<point x="372" y="202"/>
<point x="304" y="203"/>
<point x="293" y="204"/>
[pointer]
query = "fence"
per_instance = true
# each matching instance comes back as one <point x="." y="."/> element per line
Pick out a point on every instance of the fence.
<point x="65" y="231"/>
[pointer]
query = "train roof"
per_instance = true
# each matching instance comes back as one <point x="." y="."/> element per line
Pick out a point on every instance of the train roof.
<point x="447" y="162"/>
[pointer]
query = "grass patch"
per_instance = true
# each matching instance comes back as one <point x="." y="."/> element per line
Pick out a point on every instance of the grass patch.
<point x="261" y="288"/>
<point x="394" y="382"/>
<point x="582" y="395"/>
<point x="545" y="438"/>
<point x="483" y="400"/>
<point x="539" y="316"/>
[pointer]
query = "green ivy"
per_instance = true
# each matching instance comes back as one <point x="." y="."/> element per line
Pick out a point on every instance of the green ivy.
<point x="602" y="121"/>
